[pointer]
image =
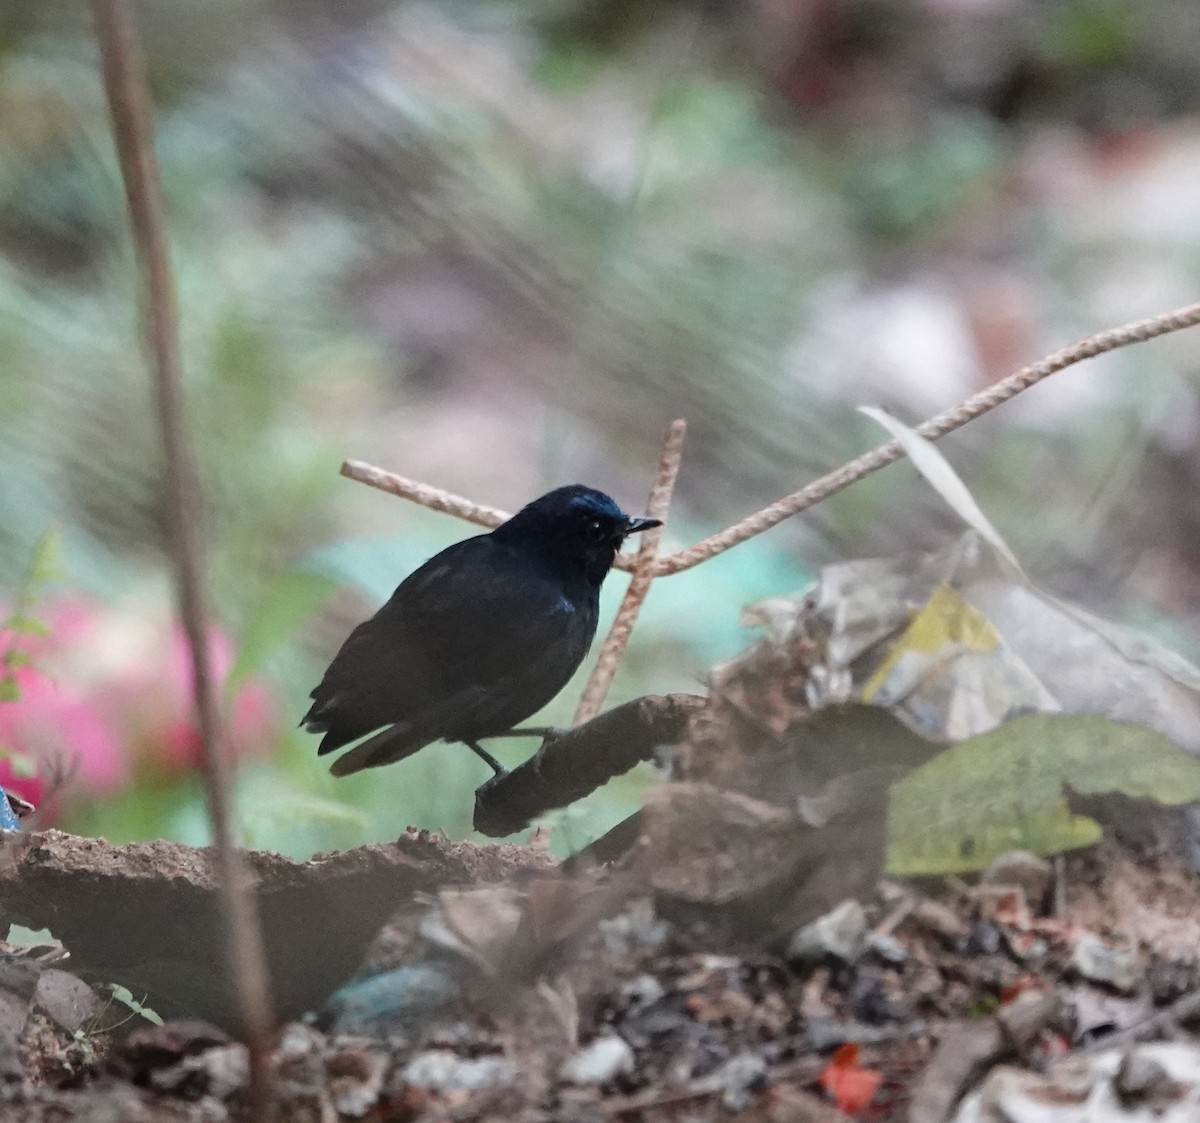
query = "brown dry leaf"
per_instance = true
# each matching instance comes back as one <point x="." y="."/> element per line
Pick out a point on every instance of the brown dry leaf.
<point x="477" y="924"/>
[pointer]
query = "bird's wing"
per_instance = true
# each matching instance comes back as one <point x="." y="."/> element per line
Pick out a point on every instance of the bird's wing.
<point x="471" y="617"/>
<point x="396" y="742"/>
<point x="480" y="614"/>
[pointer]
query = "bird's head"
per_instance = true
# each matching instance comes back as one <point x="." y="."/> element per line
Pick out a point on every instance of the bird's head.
<point x="576" y="525"/>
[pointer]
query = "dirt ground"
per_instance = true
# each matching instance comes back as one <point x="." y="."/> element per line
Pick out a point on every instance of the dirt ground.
<point x="499" y="989"/>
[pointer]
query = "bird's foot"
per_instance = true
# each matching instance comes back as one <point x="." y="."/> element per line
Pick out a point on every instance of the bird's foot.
<point x="487" y="758"/>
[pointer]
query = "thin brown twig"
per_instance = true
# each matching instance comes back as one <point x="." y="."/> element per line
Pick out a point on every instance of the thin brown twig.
<point x="644" y="572"/>
<point x="1140" y="331"/>
<point x="946" y="422"/>
<point x="438" y="499"/>
<point x="435" y="498"/>
<point x="125" y="85"/>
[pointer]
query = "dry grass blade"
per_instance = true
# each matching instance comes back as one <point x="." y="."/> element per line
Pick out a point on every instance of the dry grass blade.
<point x="125" y="85"/>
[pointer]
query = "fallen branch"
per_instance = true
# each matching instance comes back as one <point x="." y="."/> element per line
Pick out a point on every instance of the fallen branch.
<point x="575" y="764"/>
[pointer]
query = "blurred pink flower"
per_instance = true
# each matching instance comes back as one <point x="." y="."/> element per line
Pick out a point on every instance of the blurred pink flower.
<point x="63" y="734"/>
<point x="110" y="698"/>
<point x="171" y="734"/>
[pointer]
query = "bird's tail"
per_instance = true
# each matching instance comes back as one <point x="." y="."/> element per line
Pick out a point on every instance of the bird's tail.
<point x="385" y="747"/>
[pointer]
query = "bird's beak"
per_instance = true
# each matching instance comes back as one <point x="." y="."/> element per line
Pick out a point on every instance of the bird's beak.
<point x="636" y="526"/>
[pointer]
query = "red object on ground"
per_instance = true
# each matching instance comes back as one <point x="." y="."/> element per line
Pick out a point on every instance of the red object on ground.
<point x="850" y="1086"/>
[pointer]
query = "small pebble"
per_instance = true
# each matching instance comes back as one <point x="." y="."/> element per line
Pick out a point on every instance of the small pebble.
<point x="1098" y="962"/>
<point x="889" y="949"/>
<point x="607" y="1057"/>
<point x="1030" y="873"/>
<point x="939" y="919"/>
<point x="740" y="1077"/>
<point x="643" y="991"/>
<point x="985" y="938"/>
<point x="443" y="1071"/>
<point x="1140" y="1078"/>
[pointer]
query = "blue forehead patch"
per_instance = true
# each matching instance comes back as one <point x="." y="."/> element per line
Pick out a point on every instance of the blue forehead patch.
<point x="595" y="503"/>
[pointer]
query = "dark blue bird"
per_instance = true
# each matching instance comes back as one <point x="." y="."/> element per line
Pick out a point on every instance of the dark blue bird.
<point x="480" y="637"/>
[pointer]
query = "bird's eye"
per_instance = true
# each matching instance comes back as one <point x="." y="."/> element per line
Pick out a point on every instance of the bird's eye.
<point x="596" y="530"/>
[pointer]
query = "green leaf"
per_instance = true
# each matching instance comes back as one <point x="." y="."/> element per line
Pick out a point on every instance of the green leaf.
<point x="9" y="690"/>
<point x="26" y="625"/>
<point x="24" y="766"/>
<point x="291" y="599"/>
<point x="124" y="996"/>
<point x="1003" y="789"/>
<point x="29" y="937"/>
<point x="44" y="565"/>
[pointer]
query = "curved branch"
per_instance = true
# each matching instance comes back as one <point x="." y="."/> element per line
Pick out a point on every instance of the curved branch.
<point x="568" y="767"/>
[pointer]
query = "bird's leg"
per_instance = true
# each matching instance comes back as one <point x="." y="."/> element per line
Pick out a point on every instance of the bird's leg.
<point x="545" y="732"/>
<point x="484" y="755"/>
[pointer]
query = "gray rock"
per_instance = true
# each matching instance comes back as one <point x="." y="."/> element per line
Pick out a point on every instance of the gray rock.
<point x="840" y="934"/>
<point x="1142" y="1080"/>
<point x="739" y="1078"/>
<point x="1030" y="873"/>
<point x="69" y="1001"/>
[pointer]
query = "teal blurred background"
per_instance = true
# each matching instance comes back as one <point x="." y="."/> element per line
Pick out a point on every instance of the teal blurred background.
<point x="499" y="246"/>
